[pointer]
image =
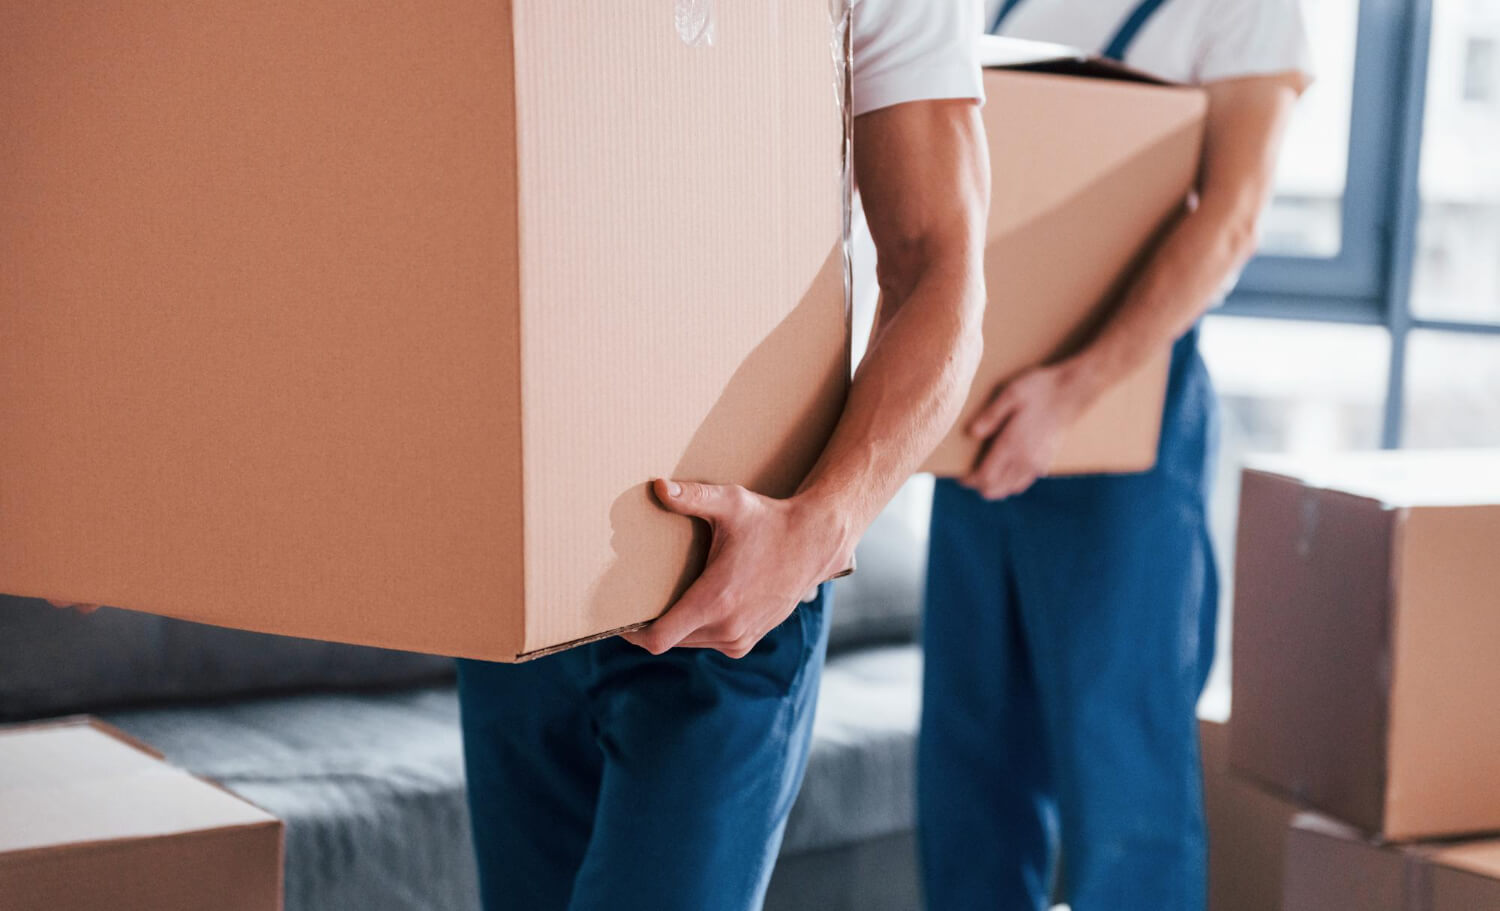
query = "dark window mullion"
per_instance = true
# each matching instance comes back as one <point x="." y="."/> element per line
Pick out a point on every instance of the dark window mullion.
<point x="1415" y="20"/>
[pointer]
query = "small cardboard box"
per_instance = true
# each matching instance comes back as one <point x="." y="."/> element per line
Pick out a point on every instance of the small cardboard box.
<point x="1247" y="831"/>
<point x="1089" y="163"/>
<point x="372" y="324"/>
<point x="1332" y="867"/>
<point x="1367" y="612"/>
<point x="91" y="819"/>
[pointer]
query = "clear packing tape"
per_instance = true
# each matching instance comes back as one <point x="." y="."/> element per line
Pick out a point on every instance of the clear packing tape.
<point x="841" y="43"/>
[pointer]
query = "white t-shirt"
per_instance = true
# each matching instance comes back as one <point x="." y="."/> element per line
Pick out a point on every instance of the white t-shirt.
<point x="914" y="50"/>
<point x="1187" y="41"/>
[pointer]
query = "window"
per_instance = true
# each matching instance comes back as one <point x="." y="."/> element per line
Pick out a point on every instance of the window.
<point x="1453" y="390"/>
<point x="1299" y="387"/>
<point x="1479" y="70"/>
<point x="1456" y="275"/>
<point x="1306" y="214"/>
<point x="1419" y="238"/>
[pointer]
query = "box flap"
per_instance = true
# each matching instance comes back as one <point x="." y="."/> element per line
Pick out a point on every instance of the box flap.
<point x="72" y="783"/>
<point x="1397" y="478"/>
<point x="996" y="52"/>
<point x="1481" y="857"/>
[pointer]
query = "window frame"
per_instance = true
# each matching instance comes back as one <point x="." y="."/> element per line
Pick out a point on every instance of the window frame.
<point x="1370" y="280"/>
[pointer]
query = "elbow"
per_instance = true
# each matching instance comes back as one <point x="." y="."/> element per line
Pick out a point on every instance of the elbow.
<point x="1241" y="236"/>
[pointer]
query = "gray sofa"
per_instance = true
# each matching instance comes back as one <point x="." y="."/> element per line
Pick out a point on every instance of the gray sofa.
<point x="358" y="749"/>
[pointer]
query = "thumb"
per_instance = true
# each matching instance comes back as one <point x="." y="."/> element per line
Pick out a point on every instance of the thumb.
<point x="688" y="498"/>
<point x="993" y="416"/>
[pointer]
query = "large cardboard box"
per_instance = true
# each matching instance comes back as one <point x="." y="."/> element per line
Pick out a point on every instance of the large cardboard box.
<point x="90" y="819"/>
<point x="1089" y="163"/>
<point x="1367" y="612"/>
<point x="1247" y="831"/>
<point x="372" y="323"/>
<point x="1332" y="867"/>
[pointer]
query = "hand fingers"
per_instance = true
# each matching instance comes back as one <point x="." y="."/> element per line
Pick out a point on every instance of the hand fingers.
<point x="999" y="475"/>
<point x="705" y="501"/>
<point x="692" y="612"/>
<point x="994" y="415"/>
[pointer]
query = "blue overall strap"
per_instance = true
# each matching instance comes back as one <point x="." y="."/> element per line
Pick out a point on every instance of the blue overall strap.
<point x="1117" y="46"/>
<point x="1005" y="10"/>
<point x="1122" y="40"/>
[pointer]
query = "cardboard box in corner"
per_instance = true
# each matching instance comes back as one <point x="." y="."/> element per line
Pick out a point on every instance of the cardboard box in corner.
<point x="1090" y="162"/>
<point x="1247" y="831"/>
<point x="1366" y="618"/>
<point x="377" y="334"/>
<point x="1332" y="867"/>
<point x="90" y="819"/>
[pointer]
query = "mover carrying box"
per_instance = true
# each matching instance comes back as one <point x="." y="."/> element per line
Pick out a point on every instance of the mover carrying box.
<point x="372" y="323"/>
<point x="90" y="819"/>
<point x="1089" y="162"/>
<point x="1247" y="829"/>
<point x="1366" y="619"/>
<point x="1331" y="867"/>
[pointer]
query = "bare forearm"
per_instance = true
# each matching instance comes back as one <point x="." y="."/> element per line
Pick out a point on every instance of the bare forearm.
<point x="1242" y="134"/>
<point x="905" y="397"/>
<point x="1174" y="288"/>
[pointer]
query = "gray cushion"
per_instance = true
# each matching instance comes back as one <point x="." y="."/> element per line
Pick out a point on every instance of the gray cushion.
<point x="882" y="601"/>
<point x="875" y="875"/>
<point x="861" y="776"/>
<point x="56" y="661"/>
<point x="371" y="785"/>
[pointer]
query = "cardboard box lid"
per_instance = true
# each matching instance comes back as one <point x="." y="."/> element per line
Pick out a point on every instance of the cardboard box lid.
<point x="1399" y="478"/>
<point x="82" y="782"/>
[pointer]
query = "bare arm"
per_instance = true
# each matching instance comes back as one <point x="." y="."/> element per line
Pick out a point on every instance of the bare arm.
<point x="924" y="177"/>
<point x="1027" y="418"/>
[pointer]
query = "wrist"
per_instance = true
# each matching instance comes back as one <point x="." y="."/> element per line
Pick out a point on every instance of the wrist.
<point x="1082" y="378"/>
<point x="827" y="522"/>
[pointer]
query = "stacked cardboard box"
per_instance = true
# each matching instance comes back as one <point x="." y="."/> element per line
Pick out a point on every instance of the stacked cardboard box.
<point x="1366" y="629"/>
<point x="90" y="819"/>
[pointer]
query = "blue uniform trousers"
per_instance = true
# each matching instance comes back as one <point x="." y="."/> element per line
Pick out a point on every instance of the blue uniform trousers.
<point x="606" y="779"/>
<point x="1068" y="633"/>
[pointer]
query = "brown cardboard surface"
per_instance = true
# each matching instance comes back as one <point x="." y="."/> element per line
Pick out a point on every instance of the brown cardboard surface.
<point x="1247" y="828"/>
<point x="374" y="328"/>
<point x="88" y="820"/>
<point x="1444" y="745"/>
<point x="1332" y="867"/>
<point x="1078" y="196"/>
<point x="1465" y="877"/>
<point x="1363" y="639"/>
<point x="1311" y="640"/>
<point x="1329" y="867"/>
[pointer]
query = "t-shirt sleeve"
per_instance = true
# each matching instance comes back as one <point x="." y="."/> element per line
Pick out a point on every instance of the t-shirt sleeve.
<point x="915" y="50"/>
<point x="1254" y="38"/>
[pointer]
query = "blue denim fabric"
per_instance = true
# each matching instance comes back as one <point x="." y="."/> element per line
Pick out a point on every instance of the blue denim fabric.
<point x="606" y="779"/>
<point x="1068" y="633"/>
